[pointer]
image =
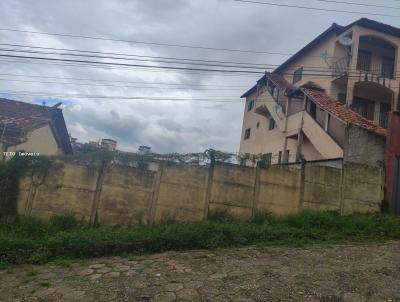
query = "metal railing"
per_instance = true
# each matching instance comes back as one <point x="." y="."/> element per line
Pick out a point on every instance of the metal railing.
<point x="341" y="67"/>
<point x="369" y="114"/>
<point x="383" y="69"/>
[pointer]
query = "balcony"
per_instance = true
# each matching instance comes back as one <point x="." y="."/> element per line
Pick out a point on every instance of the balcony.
<point x="383" y="117"/>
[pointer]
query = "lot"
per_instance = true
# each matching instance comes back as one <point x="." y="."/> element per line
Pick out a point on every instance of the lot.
<point x="367" y="272"/>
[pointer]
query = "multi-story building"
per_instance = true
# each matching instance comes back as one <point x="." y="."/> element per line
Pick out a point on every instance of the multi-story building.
<point x="348" y="75"/>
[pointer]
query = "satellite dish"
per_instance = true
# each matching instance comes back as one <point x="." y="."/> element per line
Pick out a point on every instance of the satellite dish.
<point x="346" y="41"/>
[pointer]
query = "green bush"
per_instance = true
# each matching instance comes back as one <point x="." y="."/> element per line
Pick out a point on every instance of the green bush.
<point x="29" y="240"/>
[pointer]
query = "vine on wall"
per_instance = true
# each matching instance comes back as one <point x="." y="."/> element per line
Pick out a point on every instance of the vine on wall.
<point x="11" y="172"/>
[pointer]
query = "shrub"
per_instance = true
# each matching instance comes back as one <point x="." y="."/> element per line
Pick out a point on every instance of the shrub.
<point x="29" y="240"/>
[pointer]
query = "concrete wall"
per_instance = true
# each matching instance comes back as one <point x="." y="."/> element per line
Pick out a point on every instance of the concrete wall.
<point x="120" y="195"/>
<point x="363" y="146"/>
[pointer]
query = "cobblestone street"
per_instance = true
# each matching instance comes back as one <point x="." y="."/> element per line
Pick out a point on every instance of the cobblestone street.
<point x="350" y="273"/>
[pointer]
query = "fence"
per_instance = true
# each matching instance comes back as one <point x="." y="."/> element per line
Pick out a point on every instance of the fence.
<point x="120" y="195"/>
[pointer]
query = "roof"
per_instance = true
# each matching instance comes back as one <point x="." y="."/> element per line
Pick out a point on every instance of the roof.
<point x="276" y="78"/>
<point x="338" y="29"/>
<point x="342" y="112"/>
<point x="333" y="29"/>
<point x="21" y="118"/>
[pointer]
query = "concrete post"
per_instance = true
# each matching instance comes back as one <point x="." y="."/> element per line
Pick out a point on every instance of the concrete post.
<point x="210" y="179"/>
<point x="97" y="193"/>
<point x="256" y="191"/>
<point x="156" y="190"/>
<point x="302" y="183"/>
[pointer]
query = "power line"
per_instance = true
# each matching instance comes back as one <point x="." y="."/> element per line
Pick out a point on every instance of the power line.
<point x="320" y="73"/>
<point x="115" y="81"/>
<point x="129" y="59"/>
<point x="264" y="66"/>
<point x="144" y="42"/>
<point x="316" y="8"/>
<point x="148" y="69"/>
<point x="121" y="86"/>
<point x="130" y="65"/>
<point x="227" y="99"/>
<point x="358" y="4"/>
<point x="315" y="68"/>
<point x="127" y="54"/>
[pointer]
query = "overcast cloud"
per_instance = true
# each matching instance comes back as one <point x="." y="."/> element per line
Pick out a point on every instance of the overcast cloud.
<point x="163" y="125"/>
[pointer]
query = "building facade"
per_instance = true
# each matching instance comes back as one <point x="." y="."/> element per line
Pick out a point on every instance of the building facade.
<point x="32" y="128"/>
<point x="347" y="76"/>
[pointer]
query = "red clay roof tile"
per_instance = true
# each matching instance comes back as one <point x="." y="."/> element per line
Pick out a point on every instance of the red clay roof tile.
<point x="339" y="110"/>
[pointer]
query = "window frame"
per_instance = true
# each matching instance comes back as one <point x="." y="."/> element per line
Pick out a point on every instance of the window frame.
<point x="271" y="124"/>
<point x="297" y="75"/>
<point x="247" y="134"/>
<point x="251" y="105"/>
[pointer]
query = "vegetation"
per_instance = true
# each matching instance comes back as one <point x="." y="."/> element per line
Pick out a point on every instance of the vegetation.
<point x="10" y="173"/>
<point x="29" y="240"/>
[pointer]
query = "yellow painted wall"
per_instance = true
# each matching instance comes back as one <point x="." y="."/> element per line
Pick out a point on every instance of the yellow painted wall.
<point x="279" y="190"/>
<point x="40" y="140"/>
<point x="181" y="194"/>
<point x="129" y="196"/>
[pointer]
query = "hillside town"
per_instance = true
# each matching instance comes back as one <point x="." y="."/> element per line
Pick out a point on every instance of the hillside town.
<point x="142" y="166"/>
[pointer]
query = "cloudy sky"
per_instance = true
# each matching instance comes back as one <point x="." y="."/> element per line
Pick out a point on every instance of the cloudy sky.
<point x="135" y="107"/>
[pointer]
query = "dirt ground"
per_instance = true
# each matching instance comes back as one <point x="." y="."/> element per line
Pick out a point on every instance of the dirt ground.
<point x="348" y="273"/>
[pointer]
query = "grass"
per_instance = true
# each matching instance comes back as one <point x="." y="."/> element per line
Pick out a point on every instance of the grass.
<point x="29" y="240"/>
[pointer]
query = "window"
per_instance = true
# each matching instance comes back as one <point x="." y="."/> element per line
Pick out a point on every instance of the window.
<point x="280" y="157"/>
<point x="247" y="133"/>
<point x="272" y="124"/>
<point x="311" y="108"/>
<point x="258" y="125"/>
<point x="387" y="67"/>
<point x="342" y="98"/>
<point x="286" y="156"/>
<point x="298" y="75"/>
<point x="250" y="106"/>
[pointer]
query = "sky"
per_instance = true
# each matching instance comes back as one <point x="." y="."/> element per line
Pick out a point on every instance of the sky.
<point x="213" y="117"/>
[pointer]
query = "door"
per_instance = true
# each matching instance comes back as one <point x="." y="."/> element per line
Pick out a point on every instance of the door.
<point x="396" y="187"/>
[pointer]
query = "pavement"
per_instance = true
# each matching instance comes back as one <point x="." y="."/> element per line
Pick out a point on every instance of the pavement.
<point x="341" y="273"/>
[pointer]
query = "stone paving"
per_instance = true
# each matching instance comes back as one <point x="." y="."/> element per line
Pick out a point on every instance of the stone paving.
<point x="350" y="273"/>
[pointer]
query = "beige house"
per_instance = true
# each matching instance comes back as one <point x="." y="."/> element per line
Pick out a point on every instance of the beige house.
<point x="32" y="128"/>
<point x="346" y="76"/>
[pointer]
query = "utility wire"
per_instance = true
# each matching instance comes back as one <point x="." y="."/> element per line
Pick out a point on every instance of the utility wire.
<point x="358" y="4"/>
<point x="121" y="86"/>
<point x="217" y="99"/>
<point x="324" y="73"/>
<point x="116" y="81"/>
<point x="128" y="59"/>
<point x="145" y="42"/>
<point x="262" y="67"/>
<point x="316" y="8"/>
<point x="123" y="55"/>
<point x="147" y="69"/>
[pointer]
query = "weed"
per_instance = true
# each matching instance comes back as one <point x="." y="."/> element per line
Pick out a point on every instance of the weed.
<point x="28" y="240"/>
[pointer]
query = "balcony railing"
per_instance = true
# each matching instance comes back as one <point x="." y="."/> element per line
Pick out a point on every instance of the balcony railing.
<point x="381" y="117"/>
<point x="380" y="69"/>
<point x="341" y="67"/>
<point x="383" y="69"/>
